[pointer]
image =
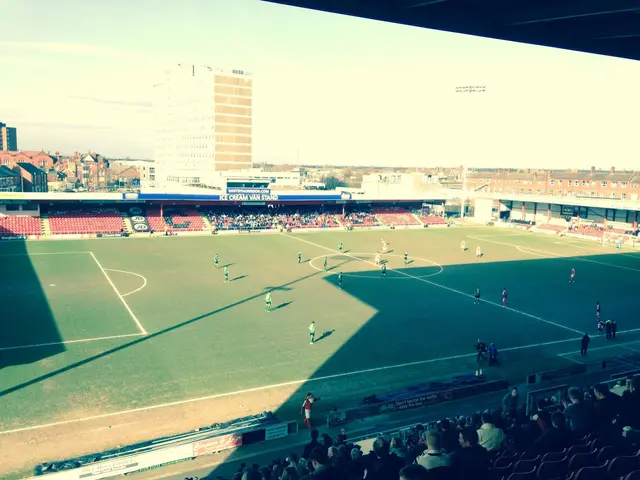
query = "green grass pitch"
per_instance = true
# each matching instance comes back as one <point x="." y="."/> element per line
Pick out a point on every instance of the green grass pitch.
<point x="74" y="313"/>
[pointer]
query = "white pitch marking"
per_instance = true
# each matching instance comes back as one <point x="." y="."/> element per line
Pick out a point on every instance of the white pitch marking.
<point x="66" y="342"/>
<point x="556" y="255"/>
<point x="43" y="253"/>
<point x="279" y="385"/>
<point x="355" y="275"/>
<point x="287" y="384"/>
<point x="590" y="349"/>
<point x="144" y="280"/>
<point x="124" y="302"/>
<point x="630" y="255"/>
<point x="564" y="327"/>
<point x="503" y="235"/>
<point x="529" y="253"/>
<point x="52" y="284"/>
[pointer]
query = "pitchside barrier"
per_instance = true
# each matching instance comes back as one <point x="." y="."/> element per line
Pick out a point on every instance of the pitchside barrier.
<point x="168" y="450"/>
<point x="415" y="397"/>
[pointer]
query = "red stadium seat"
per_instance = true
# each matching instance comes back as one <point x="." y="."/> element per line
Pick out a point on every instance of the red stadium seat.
<point x="86" y="221"/>
<point x="396" y="216"/>
<point x="14" y="226"/>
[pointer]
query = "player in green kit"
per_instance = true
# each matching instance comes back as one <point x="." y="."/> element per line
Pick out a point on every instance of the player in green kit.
<point x="340" y="246"/>
<point x="326" y="262"/>
<point x="226" y="274"/>
<point x="383" y="270"/>
<point x="312" y="333"/>
<point x="340" y="280"/>
<point x="216" y="260"/>
<point x="299" y="257"/>
<point x="267" y="302"/>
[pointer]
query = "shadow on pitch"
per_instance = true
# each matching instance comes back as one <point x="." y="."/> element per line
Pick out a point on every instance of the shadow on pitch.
<point x="27" y="318"/>
<point x="239" y="278"/>
<point x="282" y="305"/>
<point x="324" y="335"/>
<point x="39" y="353"/>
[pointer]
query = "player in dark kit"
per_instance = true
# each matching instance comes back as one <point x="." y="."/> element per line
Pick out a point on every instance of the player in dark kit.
<point x="340" y="280"/>
<point x="505" y="304"/>
<point x="476" y="296"/>
<point x="383" y="271"/>
<point x="406" y="258"/>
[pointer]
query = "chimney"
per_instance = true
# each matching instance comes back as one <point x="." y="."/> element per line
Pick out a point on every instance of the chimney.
<point x="593" y="170"/>
<point x="612" y="171"/>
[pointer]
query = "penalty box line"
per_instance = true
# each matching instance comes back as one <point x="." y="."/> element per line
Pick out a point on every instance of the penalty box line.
<point x="552" y="254"/>
<point x="115" y="289"/>
<point x="525" y="314"/>
<point x="68" y="342"/>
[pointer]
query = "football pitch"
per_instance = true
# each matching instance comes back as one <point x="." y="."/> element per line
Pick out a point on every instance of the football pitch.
<point x="95" y="329"/>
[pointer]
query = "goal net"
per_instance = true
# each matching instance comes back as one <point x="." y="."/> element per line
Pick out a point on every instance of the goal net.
<point x="612" y="239"/>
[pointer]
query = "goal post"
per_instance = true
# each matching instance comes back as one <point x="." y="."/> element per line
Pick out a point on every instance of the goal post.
<point x="613" y="239"/>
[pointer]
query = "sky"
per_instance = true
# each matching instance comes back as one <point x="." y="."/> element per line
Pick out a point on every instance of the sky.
<point x="328" y="89"/>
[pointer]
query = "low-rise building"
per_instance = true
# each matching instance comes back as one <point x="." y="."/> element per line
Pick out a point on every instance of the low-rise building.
<point x="33" y="179"/>
<point x="10" y="181"/>
<point x="572" y="183"/>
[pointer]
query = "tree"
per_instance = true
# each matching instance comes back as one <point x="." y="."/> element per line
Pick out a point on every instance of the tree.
<point x="331" y="182"/>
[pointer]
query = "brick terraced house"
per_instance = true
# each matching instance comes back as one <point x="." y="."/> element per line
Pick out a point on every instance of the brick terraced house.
<point x="571" y="183"/>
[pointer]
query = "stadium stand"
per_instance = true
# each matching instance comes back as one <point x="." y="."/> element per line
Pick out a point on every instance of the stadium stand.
<point x="175" y="219"/>
<point x="85" y="221"/>
<point x="397" y="216"/>
<point x="269" y="218"/>
<point x="433" y="220"/>
<point x="15" y="226"/>
<point x="594" y="435"/>
<point x="552" y="228"/>
<point x="362" y="218"/>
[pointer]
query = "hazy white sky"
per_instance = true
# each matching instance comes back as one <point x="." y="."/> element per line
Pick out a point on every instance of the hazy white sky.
<point x="338" y="90"/>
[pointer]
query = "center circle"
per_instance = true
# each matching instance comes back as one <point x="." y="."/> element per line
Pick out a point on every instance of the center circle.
<point x="354" y="256"/>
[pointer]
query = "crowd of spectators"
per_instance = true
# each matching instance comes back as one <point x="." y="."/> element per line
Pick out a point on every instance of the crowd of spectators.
<point x="361" y="218"/>
<point x="271" y="218"/>
<point x="594" y="433"/>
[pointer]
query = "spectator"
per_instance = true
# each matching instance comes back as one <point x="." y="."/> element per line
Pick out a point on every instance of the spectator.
<point x="332" y="452"/>
<point x="414" y="472"/>
<point x="290" y="473"/>
<point x="292" y="460"/>
<point x="265" y="473"/>
<point x="435" y="458"/>
<point x="631" y="404"/>
<point x="320" y="463"/>
<point x="510" y="401"/>
<point x="303" y="467"/>
<point x="396" y="447"/>
<point x="579" y="413"/>
<point x="312" y="444"/>
<point x="607" y="407"/>
<point x="326" y="440"/>
<point x="449" y="436"/>
<point x="380" y="463"/>
<point x="356" y="454"/>
<point x="553" y="439"/>
<point x="471" y="461"/>
<point x="251" y="474"/>
<point x="489" y="436"/>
